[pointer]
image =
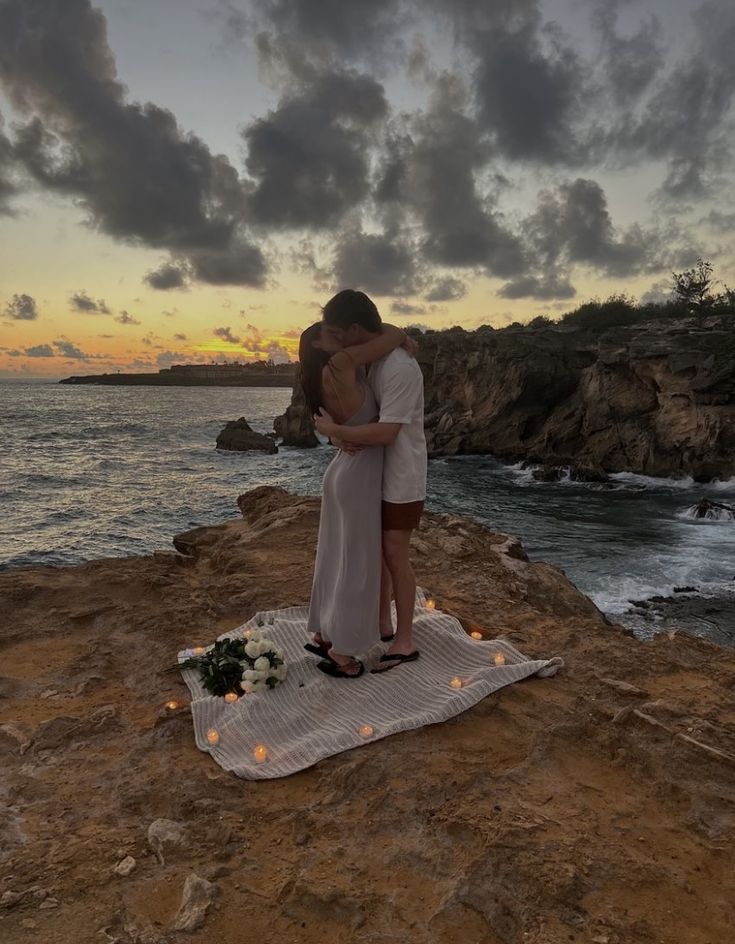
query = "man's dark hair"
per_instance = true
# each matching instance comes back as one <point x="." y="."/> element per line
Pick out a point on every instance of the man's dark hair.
<point x="349" y="307"/>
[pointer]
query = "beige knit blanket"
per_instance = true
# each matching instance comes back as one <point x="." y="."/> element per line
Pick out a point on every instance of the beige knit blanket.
<point x="310" y="716"/>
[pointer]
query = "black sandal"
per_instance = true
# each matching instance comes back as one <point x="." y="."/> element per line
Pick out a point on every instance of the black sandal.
<point x="397" y="658"/>
<point x="330" y="667"/>
<point x="321" y="651"/>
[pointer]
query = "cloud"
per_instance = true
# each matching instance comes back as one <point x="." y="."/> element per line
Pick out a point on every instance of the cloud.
<point x="126" y="319"/>
<point x="571" y="226"/>
<point x="80" y="301"/>
<point x="67" y="349"/>
<point x="308" y="157"/>
<point x="226" y="335"/>
<point x="166" y="276"/>
<point x="404" y="308"/>
<point x="630" y="62"/>
<point x="433" y="148"/>
<point x="141" y="178"/>
<point x="277" y="353"/>
<point x="22" y="308"/>
<point x="446" y="289"/>
<point x="8" y="186"/>
<point x="379" y="264"/>
<point x="685" y="118"/>
<point x="40" y="350"/>
<point x="180" y="337"/>
<point x="364" y="31"/>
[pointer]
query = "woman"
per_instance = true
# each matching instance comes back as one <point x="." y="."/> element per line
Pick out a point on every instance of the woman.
<point x="345" y="596"/>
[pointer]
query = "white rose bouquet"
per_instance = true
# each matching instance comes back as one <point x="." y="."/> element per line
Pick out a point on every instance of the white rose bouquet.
<point x="263" y="665"/>
<point x="248" y="664"/>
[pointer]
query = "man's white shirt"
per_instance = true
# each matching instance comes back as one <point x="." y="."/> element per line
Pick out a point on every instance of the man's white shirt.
<point x="398" y="385"/>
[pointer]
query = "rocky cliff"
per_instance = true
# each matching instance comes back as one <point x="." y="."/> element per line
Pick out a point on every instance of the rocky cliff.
<point x="597" y="806"/>
<point x="656" y="398"/>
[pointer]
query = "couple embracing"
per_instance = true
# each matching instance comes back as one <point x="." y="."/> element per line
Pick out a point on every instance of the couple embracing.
<point x="365" y="389"/>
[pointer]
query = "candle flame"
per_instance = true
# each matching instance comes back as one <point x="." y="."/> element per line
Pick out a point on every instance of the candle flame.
<point x="499" y="658"/>
<point x="431" y="604"/>
<point x="213" y="736"/>
<point x="456" y="682"/>
<point x="172" y="705"/>
<point x="366" y="731"/>
<point x="476" y="635"/>
<point x="199" y="650"/>
<point x="230" y="697"/>
<point x="260" y="754"/>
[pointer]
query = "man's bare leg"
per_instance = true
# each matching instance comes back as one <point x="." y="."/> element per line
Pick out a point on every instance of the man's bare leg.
<point x="386" y="593"/>
<point x="396" y="554"/>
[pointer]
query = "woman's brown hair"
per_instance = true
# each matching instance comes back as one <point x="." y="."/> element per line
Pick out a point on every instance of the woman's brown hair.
<point x="312" y="361"/>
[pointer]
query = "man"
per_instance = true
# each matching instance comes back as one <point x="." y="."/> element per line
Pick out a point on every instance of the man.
<point x="351" y="317"/>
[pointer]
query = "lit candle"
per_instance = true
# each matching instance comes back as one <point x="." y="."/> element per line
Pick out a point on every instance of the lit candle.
<point x="199" y="650"/>
<point x="366" y="731"/>
<point x="231" y="696"/>
<point x="476" y="635"/>
<point x="431" y="604"/>
<point x="499" y="658"/>
<point x="260" y="754"/>
<point x="213" y="736"/>
<point x="172" y="705"/>
<point x="456" y="682"/>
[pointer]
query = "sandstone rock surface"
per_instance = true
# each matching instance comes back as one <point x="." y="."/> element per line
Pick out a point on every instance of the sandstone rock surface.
<point x="597" y="805"/>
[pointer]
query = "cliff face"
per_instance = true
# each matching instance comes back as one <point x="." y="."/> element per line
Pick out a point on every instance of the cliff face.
<point x="597" y="806"/>
<point x="658" y="398"/>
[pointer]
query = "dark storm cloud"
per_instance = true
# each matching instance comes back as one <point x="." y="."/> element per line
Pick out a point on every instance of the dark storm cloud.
<point x="166" y="276"/>
<point x="531" y="95"/>
<point x="431" y="169"/>
<point x="446" y="289"/>
<point x="80" y="301"/>
<point x="630" y="62"/>
<point x="240" y="263"/>
<point x="139" y="176"/>
<point x="225" y="334"/>
<point x="40" y="350"/>
<point x="309" y="156"/>
<point x="8" y="186"/>
<point x="22" y="308"/>
<point x="687" y="117"/>
<point x="571" y="226"/>
<point x="378" y="264"/>
<point x="349" y="30"/>
<point x="67" y="349"/>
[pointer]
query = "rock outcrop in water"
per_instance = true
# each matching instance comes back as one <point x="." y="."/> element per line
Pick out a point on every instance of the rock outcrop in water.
<point x="712" y="510"/>
<point x="656" y="398"/>
<point x="238" y="436"/>
<point x="295" y="427"/>
<point x="598" y="806"/>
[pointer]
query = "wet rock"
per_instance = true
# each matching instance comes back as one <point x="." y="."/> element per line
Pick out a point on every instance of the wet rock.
<point x="549" y="474"/>
<point x="238" y="436"/>
<point x="711" y="511"/>
<point x="295" y="426"/>
<point x="196" y="898"/>
<point x="165" y="835"/>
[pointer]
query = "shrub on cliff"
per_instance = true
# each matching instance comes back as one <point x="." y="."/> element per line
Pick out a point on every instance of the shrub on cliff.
<point x="598" y="316"/>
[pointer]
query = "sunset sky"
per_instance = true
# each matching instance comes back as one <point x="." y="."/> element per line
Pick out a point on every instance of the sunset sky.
<point x="188" y="180"/>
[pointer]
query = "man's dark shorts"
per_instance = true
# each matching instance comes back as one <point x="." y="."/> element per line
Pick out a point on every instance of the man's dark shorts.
<point x="404" y="516"/>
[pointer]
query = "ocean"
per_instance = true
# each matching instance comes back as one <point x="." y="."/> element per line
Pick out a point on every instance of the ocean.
<point x="89" y="472"/>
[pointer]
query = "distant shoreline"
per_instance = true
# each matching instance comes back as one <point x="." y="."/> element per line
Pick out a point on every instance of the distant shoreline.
<point x="199" y="375"/>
